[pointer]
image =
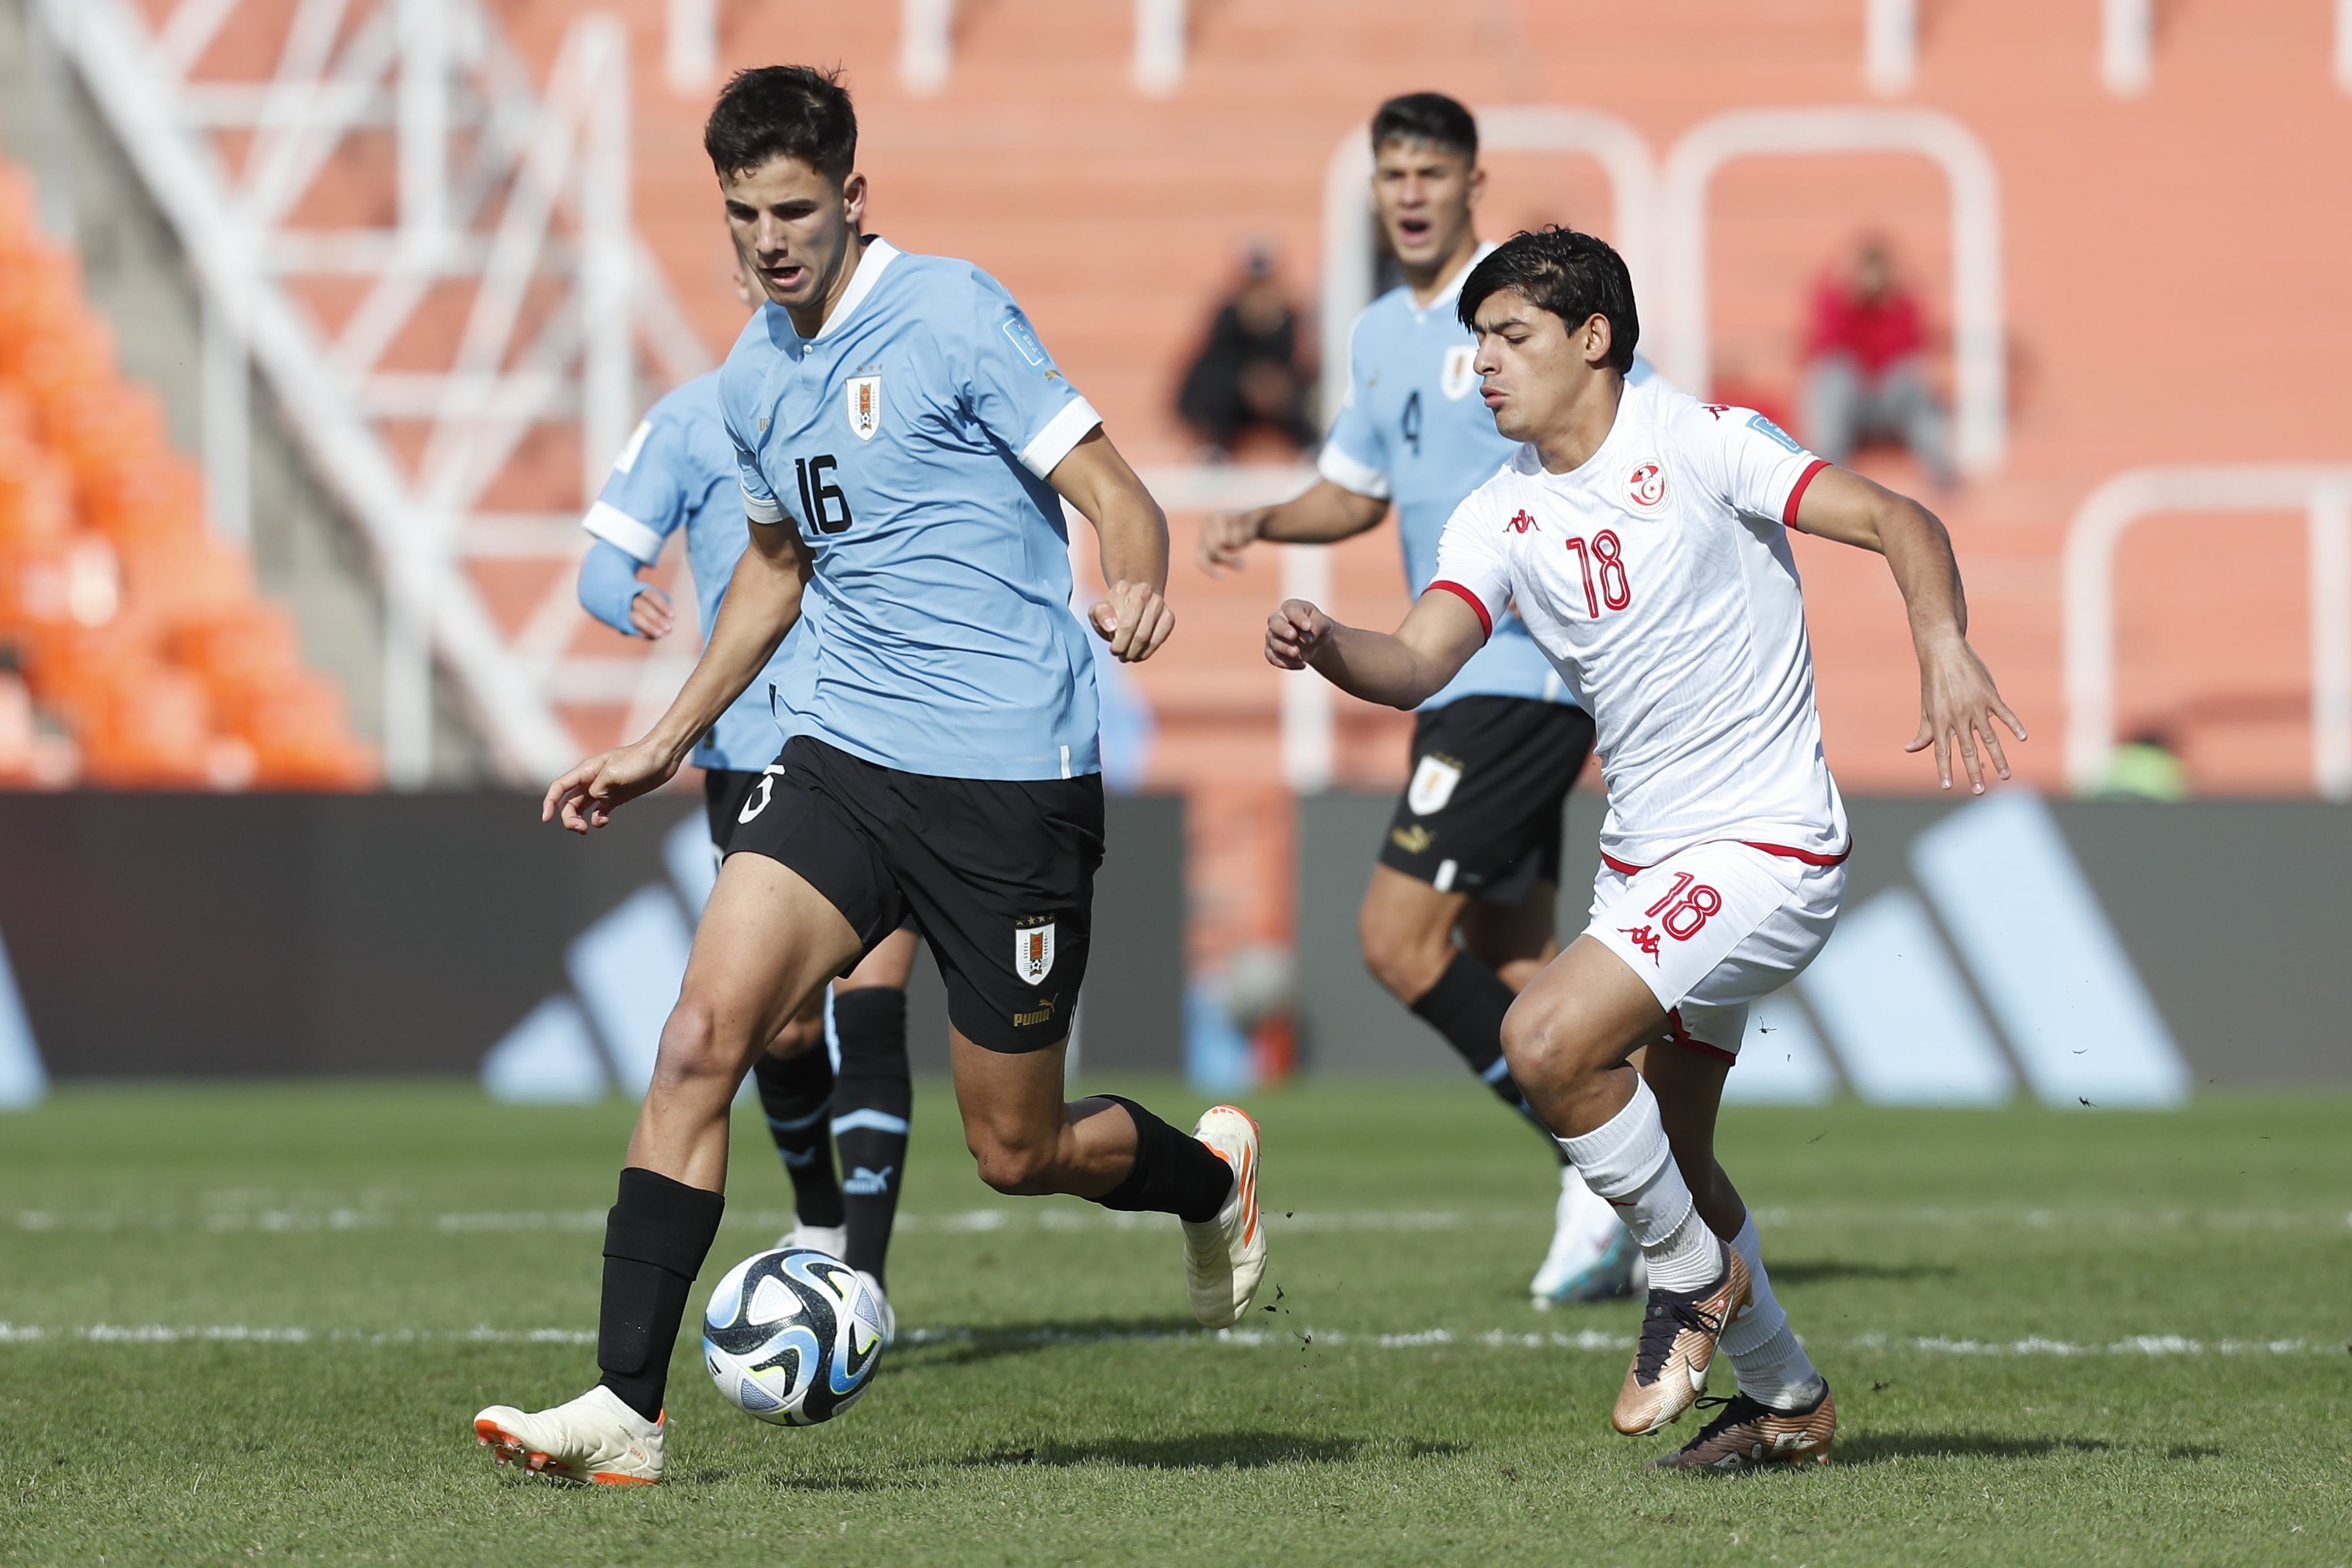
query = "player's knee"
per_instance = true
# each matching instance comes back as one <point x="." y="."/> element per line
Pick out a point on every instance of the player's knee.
<point x="1014" y="1167"/>
<point x="692" y="1048"/>
<point x="1542" y="1042"/>
<point x="803" y="1034"/>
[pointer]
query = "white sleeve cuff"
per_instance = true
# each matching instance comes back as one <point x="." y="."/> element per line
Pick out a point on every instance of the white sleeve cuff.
<point x="1063" y="432"/>
<point x="762" y="508"/>
<point x="1344" y="471"/>
<point x="616" y="527"/>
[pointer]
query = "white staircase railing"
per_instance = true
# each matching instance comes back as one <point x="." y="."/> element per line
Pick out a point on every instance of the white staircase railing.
<point x="2323" y="494"/>
<point x="506" y="308"/>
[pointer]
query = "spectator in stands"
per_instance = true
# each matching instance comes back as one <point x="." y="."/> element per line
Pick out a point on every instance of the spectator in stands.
<point x="1249" y="373"/>
<point x="1865" y="378"/>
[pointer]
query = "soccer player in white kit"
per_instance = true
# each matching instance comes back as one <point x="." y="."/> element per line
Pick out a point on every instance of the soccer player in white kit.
<point x="1641" y="536"/>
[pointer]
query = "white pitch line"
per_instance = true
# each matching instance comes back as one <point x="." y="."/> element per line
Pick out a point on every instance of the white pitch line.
<point x="1587" y="1339"/>
<point x="296" y="1219"/>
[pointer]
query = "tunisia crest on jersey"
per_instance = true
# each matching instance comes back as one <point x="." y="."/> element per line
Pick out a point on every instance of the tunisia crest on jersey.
<point x="1033" y="952"/>
<point x="865" y="395"/>
<point x="1646" y="487"/>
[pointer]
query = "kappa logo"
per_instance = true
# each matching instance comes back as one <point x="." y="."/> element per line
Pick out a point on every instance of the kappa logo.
<point x="864" y="395"/>
<point x="1645" y="940"/>
<point x="1433" y="779"/>
<point x="1032" y="951"/>
<point x="1717" y="410"/>
<point x="1646" y="487"/>
<point x="1521" y="522"/>
<point x="1457" y="375"/>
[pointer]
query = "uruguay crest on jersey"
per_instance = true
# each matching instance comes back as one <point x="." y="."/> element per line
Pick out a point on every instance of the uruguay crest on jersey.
<point x="1033" y="952"/>
<point x="865" y="397"/>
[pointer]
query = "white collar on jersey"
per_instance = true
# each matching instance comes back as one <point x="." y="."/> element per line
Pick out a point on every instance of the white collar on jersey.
<point x="1452" y="289"/>
<point x="879" y="253"/>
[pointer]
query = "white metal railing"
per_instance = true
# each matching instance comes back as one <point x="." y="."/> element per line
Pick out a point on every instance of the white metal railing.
<point x="1979" y="369"/>
<point x="926" y="45"/>
<point x="1890" y="46"/>
<point x="511" y="200"/>
<point x="2126" y="46"/>
<point x="2323" y="492"/>
<point x="1616" y="146"/>
<point x="690" y="46"/>
<point x="1161" y="39"/>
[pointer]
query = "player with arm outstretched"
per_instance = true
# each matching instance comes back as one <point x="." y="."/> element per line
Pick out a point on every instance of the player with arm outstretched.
<point x="905" y="445"/>
<point x="1459" y="912"/>
<point x="678" y="475"/>
<point x="1642" y="537"/>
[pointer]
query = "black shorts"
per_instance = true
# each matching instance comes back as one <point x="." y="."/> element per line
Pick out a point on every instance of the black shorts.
<point x="724" y="792"/>
<point x="1482" y="814"/>
<point x="997" y="874"/>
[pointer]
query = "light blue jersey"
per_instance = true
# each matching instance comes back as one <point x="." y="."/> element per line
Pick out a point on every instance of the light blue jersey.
<point x="678" y="472"/>
<point x="1414" y="432"/>
<point x="908" y="442"/>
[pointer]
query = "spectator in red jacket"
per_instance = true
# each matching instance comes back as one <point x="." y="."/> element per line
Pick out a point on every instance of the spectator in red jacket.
<point x="1865" y="378"/>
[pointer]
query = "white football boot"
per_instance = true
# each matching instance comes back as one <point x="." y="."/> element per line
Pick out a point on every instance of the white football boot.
<point x="1592" y="1255"/>
<point x="1224" y="1258"/>
<point x="889" y="1313"/>
<point x="594" y="1440"/>
<point x="830" y="1239"/>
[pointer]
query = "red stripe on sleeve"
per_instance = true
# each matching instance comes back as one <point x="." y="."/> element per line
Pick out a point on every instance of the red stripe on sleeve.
<point x="1789" y="512"/>
<point x="1468" y="597"/>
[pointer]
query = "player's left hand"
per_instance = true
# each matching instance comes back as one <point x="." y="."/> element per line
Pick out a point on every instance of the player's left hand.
<point x="1958" y="703"/>
<point x="1135" y="619"/>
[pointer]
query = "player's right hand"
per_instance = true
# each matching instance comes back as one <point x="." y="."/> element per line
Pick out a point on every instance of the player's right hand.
<point x="1294" y="633"/>
<point x="649" y="612"/>
<point x="586" y="798"/>
<point x="1223" y="537"/>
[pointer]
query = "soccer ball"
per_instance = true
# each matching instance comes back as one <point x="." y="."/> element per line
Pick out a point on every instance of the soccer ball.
<point x="791" y="1336"/>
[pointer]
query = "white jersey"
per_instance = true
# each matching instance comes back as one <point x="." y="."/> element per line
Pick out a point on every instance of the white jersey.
<point x="1657" y="579"/>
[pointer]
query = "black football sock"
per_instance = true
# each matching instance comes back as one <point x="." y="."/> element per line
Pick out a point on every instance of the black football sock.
<point x="655" y="1237"/>
<point x="1467" y="1006"/>
<point x="871" y="1101"/>
<point x="1172" y="1173"/>
<point x="796" y="1091"/>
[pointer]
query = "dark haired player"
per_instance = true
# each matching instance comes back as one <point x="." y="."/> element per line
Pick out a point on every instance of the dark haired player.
<point x="678" y="475"/>
<point x="905" y="445"/>
<point x="1459" y="912"/>
<point x="1642" y="538"/>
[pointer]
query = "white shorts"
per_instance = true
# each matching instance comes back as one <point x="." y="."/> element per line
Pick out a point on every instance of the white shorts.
<point x="1714" y="927"/>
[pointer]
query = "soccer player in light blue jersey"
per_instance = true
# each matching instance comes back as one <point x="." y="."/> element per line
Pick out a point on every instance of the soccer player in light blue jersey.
<point x="678" y="475"/>
<point x="905" y="445"/>
<point x="1459" y="915"/>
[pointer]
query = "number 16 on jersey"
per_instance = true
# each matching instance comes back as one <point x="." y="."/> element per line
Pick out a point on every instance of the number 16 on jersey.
<point x="823" y="504"/>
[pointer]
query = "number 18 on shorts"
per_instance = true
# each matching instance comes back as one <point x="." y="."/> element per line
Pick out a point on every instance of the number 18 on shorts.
<point x="1716" y="926"/>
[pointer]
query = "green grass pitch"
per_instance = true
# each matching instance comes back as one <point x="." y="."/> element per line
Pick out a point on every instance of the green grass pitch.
<point x="252" y="1323"/>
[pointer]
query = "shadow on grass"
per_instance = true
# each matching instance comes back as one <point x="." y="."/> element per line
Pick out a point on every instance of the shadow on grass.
<point x="1208" y="1451"/>
<point x="1831" y="1269"/>
<point x="971" y="1347"/>
<point x="1882" y="1447"/>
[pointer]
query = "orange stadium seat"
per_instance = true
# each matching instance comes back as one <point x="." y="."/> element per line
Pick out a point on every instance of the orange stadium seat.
<point x="123" y="617"/>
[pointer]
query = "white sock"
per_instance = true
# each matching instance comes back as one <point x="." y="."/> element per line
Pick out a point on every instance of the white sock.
<point x="1772" y="1365"/>
<point x="1627" y="1162"/>
<point x="1587" y="1210"/>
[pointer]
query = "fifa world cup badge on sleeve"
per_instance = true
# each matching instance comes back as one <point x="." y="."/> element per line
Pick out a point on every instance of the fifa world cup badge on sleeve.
<point x="864" y="395"/>
<point x="1032" y="951"/>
